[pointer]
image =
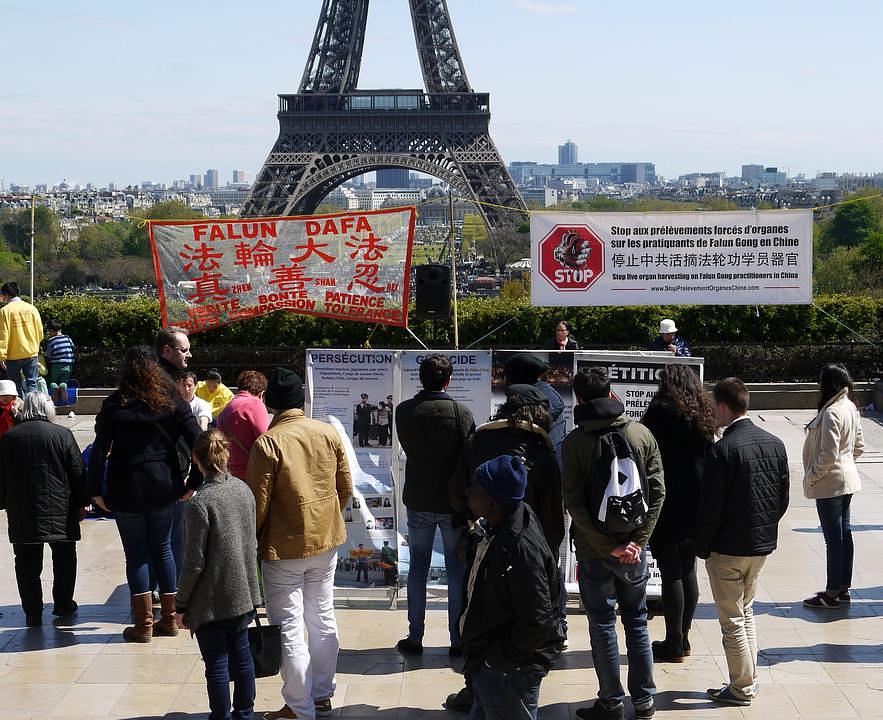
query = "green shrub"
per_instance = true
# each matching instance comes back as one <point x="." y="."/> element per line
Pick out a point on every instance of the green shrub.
<point x="771" y="342"/>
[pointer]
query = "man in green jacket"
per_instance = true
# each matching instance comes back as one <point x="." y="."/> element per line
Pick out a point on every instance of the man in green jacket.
<point x="612" y="568"/>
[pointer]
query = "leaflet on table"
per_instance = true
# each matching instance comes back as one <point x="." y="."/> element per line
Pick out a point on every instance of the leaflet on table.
<point x="355" y="388"/>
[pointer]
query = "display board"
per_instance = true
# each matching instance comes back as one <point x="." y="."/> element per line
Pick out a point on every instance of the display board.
<point x="358" y="392"/>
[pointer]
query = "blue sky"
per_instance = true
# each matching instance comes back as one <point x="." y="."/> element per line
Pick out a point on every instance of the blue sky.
<point x="107" y="91"/>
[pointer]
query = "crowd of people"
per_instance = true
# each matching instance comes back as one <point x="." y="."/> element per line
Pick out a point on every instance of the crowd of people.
<point x="199" y="503"/>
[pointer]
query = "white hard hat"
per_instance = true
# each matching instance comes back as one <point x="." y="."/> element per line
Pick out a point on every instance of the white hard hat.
<point x="667" y="327"/>
<point x="7" y="387"/>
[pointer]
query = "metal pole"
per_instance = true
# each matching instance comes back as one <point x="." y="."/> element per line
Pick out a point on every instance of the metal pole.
<point x="454" y="272"/>
<point x="33" y="226"/>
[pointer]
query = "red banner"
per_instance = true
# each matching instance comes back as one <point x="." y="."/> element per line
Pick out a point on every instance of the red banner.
<point x="353" y="266"/>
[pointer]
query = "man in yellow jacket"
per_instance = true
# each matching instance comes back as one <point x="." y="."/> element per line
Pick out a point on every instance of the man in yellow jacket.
<point x="21" y="331"/>
<point x="301" y="481"/>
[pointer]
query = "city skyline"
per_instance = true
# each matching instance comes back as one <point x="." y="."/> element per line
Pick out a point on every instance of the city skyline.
<point x="113" y="95"/>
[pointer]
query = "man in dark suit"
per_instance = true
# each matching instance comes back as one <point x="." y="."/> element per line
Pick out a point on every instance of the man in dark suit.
<point x="745" y="487"/>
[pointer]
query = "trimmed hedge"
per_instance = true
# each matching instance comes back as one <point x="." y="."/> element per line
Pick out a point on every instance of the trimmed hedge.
<point x="102" y="328"/>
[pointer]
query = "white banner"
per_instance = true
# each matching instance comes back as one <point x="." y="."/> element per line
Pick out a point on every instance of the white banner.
<point x="758" y="257"/>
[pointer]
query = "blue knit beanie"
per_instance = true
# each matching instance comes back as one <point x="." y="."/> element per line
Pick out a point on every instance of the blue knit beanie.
<point x="504" y="478"/>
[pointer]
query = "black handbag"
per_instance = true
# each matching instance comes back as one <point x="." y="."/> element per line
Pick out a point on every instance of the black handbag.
<point x="265" y="646"/>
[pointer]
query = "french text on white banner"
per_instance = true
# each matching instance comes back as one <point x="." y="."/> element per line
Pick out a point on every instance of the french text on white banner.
<point x="753" y="257"/>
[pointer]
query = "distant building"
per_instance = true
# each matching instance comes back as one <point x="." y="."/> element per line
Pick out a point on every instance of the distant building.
<point x="393" y="178"/>
<point x="211" y="179"/>
<point x="568" y="153"/>
<point x="196" y="181"/>
<point x="342" y="197"/>
<point x="540" y="197"/>
<point x="760" y="176"/>
<point x="608" y="173"/>
<point x="240" y="177"/>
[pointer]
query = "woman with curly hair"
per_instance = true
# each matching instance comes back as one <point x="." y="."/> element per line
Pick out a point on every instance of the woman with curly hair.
<point x="681" y="418"/>
<point x="137" y="433"/>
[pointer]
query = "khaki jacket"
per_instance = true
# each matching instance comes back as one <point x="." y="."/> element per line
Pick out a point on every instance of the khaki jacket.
<point x="300" y="478"/>
<point x="833" y="442"/>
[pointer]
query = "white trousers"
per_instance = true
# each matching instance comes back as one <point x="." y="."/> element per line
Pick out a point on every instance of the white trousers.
<point x="300" y="596"/>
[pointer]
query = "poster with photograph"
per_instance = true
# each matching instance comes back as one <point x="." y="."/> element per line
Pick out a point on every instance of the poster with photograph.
<point x="355" y="389"/>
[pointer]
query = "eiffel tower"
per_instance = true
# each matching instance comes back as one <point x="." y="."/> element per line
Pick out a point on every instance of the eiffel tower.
<point x="330" y="131"/>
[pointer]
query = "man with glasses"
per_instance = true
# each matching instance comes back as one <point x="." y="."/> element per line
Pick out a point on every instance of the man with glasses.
<point x="172" y="348"/>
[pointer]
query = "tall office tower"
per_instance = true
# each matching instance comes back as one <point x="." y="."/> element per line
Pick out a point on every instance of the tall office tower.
<point x="567" y="153"/>
<point x="196" y="181"/>
<point x="211" y="179"/>
<point x="393" y="178"/>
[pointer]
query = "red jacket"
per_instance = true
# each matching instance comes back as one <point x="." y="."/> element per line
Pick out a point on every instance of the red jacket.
<point x="243" y="420"/>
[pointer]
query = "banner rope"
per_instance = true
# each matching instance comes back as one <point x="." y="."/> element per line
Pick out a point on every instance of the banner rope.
<point x="839" y="322"/>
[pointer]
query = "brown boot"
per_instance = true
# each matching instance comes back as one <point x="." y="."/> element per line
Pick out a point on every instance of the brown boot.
<point x="166" y="626"/>
<point x="142" y="613"/>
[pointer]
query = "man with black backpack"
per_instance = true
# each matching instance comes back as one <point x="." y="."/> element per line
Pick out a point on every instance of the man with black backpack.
<point x="613" y="488"/>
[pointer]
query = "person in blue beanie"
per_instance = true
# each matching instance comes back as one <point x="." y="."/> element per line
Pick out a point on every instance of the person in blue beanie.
<point x="509" y="626"/>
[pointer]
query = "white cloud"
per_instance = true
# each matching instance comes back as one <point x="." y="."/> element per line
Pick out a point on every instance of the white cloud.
<point x="542" y="7"/>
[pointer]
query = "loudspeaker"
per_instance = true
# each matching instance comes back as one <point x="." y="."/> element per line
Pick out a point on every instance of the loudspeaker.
<point x="433" y="295"/>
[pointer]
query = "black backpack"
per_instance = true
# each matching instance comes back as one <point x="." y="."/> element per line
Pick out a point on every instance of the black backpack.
<point x="616" y="495"/>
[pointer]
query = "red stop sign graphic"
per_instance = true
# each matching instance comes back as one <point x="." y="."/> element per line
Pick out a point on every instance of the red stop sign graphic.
<point x="571" y="257"/>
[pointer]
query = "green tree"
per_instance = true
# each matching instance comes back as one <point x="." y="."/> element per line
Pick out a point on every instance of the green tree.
<point x="72" y="275"/>
<point x="854" y="222"/>
<point x="137" y="241"/>
<point x="101" y="241"/>
<point x="15" y="228"/>
<point x="506" y="245"/>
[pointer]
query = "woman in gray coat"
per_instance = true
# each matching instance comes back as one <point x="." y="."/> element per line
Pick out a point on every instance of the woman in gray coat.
<point x="219" y="589"/>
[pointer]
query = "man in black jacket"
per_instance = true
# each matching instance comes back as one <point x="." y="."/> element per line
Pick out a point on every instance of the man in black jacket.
<point x="431" y="427"/>
<point x="510" y="623"/>
<point x="745" y="485"/>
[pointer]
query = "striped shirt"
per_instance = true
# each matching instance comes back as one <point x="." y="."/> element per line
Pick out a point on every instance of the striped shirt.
<point x="60" y="350"/>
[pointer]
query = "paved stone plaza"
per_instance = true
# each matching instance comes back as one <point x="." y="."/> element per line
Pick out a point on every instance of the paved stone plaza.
<point x="814" y="663"/>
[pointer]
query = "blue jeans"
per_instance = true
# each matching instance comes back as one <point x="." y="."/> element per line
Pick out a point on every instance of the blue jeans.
<point x="603" y="584"/>
<point x="148" y="535"/>
<point x="224" y="648"/>
<point x="421" y="535"/>
<point x="27" y="367"/>
<point x="834" y="517"/>
<point x="506" y="695"/>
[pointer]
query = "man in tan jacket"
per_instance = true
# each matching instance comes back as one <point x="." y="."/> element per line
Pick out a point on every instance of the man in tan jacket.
<point x="300" y="478"/>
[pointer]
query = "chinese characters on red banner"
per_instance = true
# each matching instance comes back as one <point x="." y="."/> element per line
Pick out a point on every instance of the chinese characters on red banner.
<point x="351" y="267"/>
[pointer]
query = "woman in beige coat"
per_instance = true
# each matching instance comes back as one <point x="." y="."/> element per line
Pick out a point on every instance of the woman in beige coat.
<point x="833" y="442"/>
